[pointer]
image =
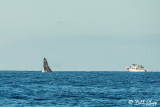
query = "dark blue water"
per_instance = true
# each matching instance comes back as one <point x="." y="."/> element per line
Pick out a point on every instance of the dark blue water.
<point x="68" y="89"/>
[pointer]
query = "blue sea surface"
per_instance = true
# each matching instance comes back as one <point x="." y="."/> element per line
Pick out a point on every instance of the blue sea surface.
<point x="80" y="89"/>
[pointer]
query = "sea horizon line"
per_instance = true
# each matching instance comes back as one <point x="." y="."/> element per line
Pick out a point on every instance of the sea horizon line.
<point x="72" y="71"/>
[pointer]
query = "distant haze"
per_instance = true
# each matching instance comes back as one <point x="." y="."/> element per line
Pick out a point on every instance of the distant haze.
<point x="79" y="34"/>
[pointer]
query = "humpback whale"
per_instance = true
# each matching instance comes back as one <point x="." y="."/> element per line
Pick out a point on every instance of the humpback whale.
<point x="46" y="67"/>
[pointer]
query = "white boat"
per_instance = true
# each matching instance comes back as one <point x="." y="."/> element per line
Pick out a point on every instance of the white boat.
<point x="46" y="67"/>
<point x="136" y="68"/>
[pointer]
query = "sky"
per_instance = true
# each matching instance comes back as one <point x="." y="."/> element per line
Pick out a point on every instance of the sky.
<point x="79" y="35"/>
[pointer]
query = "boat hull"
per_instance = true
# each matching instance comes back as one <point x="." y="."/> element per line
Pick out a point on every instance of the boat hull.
<point x="133" y="70"/>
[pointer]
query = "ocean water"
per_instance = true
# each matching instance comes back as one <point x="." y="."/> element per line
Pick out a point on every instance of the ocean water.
<point x="79" y="89"/>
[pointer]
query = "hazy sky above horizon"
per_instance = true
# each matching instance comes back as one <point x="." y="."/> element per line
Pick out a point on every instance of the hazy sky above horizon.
<point x="79" y="34"/>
